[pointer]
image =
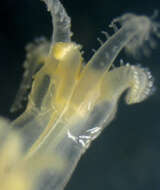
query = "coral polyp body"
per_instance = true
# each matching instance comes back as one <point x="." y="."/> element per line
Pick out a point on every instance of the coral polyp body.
<point x="70" y="102"/>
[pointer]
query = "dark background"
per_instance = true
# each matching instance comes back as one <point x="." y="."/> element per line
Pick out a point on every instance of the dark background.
<point x="127" y="155"/>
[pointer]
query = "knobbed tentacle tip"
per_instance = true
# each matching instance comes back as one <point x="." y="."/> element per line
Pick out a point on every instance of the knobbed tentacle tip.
<point x="147" y="32"/>
<point x="141" y="86"/>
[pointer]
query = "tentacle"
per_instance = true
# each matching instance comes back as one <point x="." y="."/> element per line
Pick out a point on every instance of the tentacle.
<point x="36" y="54"/>
<point x="61" y="21"/>
<point x="135" y="31"/>
<point x="136" y="79"/>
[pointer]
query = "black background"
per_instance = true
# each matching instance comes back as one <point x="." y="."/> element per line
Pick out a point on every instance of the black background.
<point x="127" y="155"/>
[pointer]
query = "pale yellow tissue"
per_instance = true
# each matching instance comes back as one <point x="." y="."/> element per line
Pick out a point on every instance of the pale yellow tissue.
<point x="16" y="181"/>
<point x="70" y="102"/>
<point x="17" y="171"/>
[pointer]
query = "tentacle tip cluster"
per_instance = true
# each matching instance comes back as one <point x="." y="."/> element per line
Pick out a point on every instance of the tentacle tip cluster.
<point x="145" y="39"/>
<point x="142" y="85"/>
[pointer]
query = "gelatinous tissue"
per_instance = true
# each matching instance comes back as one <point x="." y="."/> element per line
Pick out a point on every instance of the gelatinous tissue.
<point x="71" y="101"/>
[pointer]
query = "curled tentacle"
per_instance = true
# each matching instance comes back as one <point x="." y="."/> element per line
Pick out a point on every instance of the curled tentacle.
<point x="136" y="79"/>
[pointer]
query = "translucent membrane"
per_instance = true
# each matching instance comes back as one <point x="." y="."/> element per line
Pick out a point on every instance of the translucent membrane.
<point x="70" y="104"/>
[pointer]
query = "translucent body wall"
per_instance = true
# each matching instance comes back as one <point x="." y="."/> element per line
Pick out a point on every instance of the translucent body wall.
<point x="70" y="102"/>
